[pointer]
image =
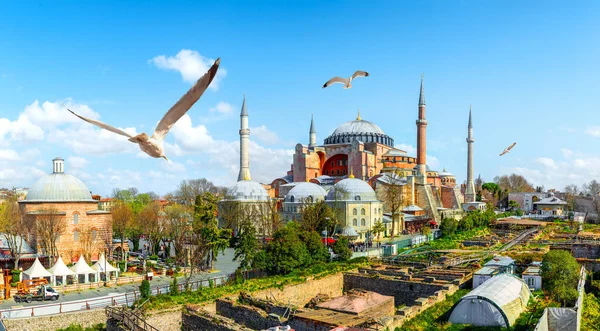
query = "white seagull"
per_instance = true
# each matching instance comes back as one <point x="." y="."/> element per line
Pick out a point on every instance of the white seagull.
<point x="346" y="81"/>
<point x="507" y="149"/>
<point x="153" y="146"/>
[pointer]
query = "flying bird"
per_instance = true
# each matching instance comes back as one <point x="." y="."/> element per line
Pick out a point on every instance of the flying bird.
<point x="346" y="81"/>
<point x="153" y="145"/>
<point x="507" y="149"/>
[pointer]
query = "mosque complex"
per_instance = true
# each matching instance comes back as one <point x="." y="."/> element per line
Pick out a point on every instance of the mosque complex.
<point x="357" y="160"/>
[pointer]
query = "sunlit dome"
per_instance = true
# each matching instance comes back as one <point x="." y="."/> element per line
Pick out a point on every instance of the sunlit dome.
<point x="306" y="192"/>
<point x="59" y="187"/>
<point x="248" y="190"/>
<point x="351" y="189"/>
<point x="359" y="130"/>
<point x="358" y="126"/>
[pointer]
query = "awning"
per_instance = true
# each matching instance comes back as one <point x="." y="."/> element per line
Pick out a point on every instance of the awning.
<point x="330" y="240"/>
<point x="433" y="222"/>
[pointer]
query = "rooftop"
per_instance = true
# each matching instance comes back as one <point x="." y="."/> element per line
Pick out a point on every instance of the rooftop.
<point x="487" y="271"/>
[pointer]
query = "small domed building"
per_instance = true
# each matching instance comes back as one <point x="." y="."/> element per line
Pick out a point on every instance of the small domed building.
<point x="358" y="204"/>
<point x="299" y="196"/>
<point x="59" y="201"/>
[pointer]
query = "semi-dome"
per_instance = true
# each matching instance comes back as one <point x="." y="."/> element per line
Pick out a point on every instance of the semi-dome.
<point x="445" y="173"/>
<point x="59" y="187"/>
<point x="309" y="192"/>
<point x="248" y="190"/>
<point x="351" y="189"/>
<point x="359" y="130"/>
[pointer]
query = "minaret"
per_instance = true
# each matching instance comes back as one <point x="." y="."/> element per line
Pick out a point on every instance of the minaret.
<point x="422" y="137"/>
<point x="244" y="144"/>
<point x="312" y="140"/>
<point x="470" y="189"/>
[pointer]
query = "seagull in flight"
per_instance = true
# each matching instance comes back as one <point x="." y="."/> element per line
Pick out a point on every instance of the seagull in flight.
<point x="153" y="145"/>
<point x="507" y="149"/>
<point x="346" y="81"/>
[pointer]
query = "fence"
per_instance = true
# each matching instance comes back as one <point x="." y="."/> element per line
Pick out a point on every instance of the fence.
<point x="117" y="299"/>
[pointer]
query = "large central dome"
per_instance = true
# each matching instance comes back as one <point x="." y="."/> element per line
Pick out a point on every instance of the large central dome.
<point x="59" y="187"/>
<point x="359" y="130"/>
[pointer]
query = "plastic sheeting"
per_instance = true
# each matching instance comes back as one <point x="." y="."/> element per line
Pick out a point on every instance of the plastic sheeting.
<point x="558" y="319"/>
<point x="497" y="302"/>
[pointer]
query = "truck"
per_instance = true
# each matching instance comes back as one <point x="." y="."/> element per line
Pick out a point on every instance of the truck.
<point x="43" y="293"/>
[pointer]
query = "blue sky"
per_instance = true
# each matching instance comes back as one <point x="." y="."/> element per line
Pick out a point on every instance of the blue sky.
<point x="530" y="70"/>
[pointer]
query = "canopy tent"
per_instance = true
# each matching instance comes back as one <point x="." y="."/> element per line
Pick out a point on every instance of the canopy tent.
<point x="497" y="302"/>
<point x="82" y="268"/>
<point x="101" y="264"/>
<point x="37" y="270"/>
<point x="61" y="270"/>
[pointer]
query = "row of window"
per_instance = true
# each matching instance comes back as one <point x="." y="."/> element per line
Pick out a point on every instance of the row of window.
<point x="76" y="236"/>
<point x="339" y="162"/>
<point x="363" y="211"/>
<point x="335" y="172"/>
<point x="363" y="222"/>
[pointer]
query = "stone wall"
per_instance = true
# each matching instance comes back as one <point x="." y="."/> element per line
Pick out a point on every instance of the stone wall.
<point x="405" y="292"/>
<point x="165" y="320"/>
<point x="194" y="318"/>
<point x="249" y="316"/>
<point x="300" y="294"/>
<point x="51" y="323"/>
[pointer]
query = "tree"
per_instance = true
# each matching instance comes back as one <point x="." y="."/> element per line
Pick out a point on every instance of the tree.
<point x="247" y="246"/>
<point x="592" y="188"/>
<point x="316" y="216"/>
<point x="378" y="228"/>
<point x="560" y="272"/>
<point x="494" y="192"/>
<point x="448" y="226"/>
<point x="393" y="195"/>
<point x="513" y="205"/>
<point x="206" y="228"/>
<point x="286" y="252"/>
<point x="317" y="251"/>
<point x="179" y="223"/>
<point x="87" y="241"/>
<point x="514" y="183"/>
<point x="341" y="250"/>
<point x="122" y="221"/>
<point x="15" y="227"/>
<point x="189" y="189"/>
<point x="153" y="223"/>
<point x="49" y="226"/>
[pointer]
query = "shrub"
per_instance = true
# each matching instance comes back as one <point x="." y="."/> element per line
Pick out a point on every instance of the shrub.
<point x="174" y="288"/>
<point x="340" y="248"/>
<point x="121" y="266"/>
<point x="153" y="257"/>
<point x="145" y="289"/>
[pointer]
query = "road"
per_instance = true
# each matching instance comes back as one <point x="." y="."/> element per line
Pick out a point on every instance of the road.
<point x="223" y="266"/>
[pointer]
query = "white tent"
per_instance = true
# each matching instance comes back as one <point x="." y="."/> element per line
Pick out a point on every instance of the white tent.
<point x="101" y="264"/>
<point x="61" y="270"/>
<point x="497" y="302"/>
<point x="82" y="268"/>
<point x="37" y="270"/>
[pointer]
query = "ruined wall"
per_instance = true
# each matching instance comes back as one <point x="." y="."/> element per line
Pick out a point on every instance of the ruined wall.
<point x="194" y="318"/>
<point x="85" y="318"/>
<point x="165" y="320"/>
<point x="300" y="294"/>
<point x="404" y="292"/>
<point x="252" y="317"/>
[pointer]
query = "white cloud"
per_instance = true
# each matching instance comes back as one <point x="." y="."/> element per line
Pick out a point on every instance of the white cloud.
<point x="189" y="137"/>
<point x="593" y="131"/>
<point x="409" y="149"/>
<point x="191" y="65"/>
<point x="433" y="162"/>
<point x="264" y="135"/>
<point x="222" y="107"/>
<point x="76" y="162"/>
<point x="9" y="155"/>
<point x="547" y="162"/>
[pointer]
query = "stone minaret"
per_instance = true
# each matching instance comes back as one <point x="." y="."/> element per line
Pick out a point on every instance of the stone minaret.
<point x="422" y="137"/>
<point x="312" y="141"/>
<point x="470" y="189"/>
<point x="244" y="144"/>
<point x="58" y="165"/>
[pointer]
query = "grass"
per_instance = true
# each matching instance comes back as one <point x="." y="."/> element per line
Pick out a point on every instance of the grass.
<point x="211" y="293"/>
<point x="77" y="327"/>
<point x="454" y="241"/>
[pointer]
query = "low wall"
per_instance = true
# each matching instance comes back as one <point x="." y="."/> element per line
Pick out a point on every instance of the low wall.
<point x="195" y="318"/>
<point x="300" y="294"/>
<point x="51" y="323"/>
<point x="165" y="320"/>
<point x="405" y="292"/>
<point x="252" y="317"/>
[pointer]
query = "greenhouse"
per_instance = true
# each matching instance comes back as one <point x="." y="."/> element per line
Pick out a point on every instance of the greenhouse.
<point x="497" y="302"/>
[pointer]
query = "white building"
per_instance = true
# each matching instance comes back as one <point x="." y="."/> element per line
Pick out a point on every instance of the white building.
<point x="483" y="274"/>
<point x="532" y="276"/>
<point x="504" y="264"/>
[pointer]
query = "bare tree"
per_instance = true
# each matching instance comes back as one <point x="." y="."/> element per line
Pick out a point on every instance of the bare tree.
<point x="49" y="226"/>
<point x="514" y="183"/>
<point x="87" y="241"/>
<point x="179" y="224"/>
<point x="393" y="195"/>
<point x="122" y="220"/>
<point x="153" y="223"/>
<point x="15" y="227"/>
<point x="592" y="188"/>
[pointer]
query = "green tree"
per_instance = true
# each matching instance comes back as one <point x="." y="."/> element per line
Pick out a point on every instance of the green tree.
<point x="317" y="216"/>
<point x="206" y="227"/>
<point x="340" y="248"/>
<point x="560" y="273"/>
<point x="246" y="246"/>
<point x="317" y="250"/>
<point x="286" y="252"/>
<point x="378" y="228"/>
<point x="145" y="289"/>
<point x="448" y="226"/>
<point x="513" y="205"/>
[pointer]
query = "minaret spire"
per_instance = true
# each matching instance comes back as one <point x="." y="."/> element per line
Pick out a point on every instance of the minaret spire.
<point x="244" y="144"/>
<point x="312" y="134"/>
<point x="358" y="116"/>
<point x="470" y="189"/>
<point x="422" y="138"/>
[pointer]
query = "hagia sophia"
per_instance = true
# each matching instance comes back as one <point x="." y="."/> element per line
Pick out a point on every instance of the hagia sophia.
<point x="358" y="159"/>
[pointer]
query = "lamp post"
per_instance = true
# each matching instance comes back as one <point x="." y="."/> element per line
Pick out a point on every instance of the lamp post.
<point x="326" y="230"/>
<point x="105" y="275"/>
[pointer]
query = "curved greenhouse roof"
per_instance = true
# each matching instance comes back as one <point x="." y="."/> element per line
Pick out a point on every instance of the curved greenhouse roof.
<point x="497" y="302"/>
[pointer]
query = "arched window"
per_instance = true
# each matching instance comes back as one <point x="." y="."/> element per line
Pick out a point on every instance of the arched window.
<point x="363" y="222"/>
<point x="292" y="198"/>
<point x="75" y="235"/>
<point x="357" y="198"/>
<point x="309" y="199"/>
<point x="363" y="212"/>
<point x="354" y="212"/>
<point x="355" y="222"/>
<point x="75" y="218"/>
<point x="379" y="211"/>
